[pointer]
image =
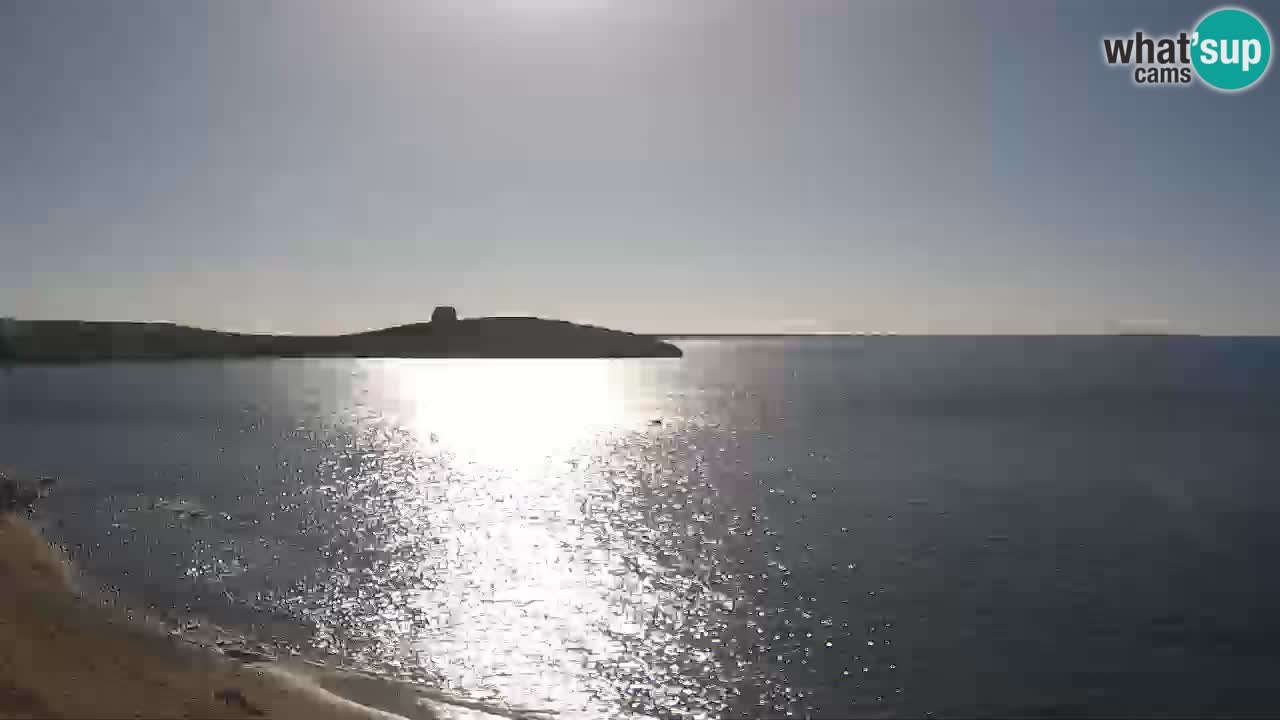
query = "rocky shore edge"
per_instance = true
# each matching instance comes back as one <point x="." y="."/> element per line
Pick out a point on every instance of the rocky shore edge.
<point x="66" y="654"/>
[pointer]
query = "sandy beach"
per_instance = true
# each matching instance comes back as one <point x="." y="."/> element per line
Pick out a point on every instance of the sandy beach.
<point x="66" y="654"/>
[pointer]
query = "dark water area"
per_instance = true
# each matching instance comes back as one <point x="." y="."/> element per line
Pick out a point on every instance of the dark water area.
<point x="884" y="526"/>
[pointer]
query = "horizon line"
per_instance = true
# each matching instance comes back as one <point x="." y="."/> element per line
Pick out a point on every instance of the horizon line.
<point x="697" y="335"/>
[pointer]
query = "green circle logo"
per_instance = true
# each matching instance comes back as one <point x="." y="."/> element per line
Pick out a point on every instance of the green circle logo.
<point x="1232" y="49"/>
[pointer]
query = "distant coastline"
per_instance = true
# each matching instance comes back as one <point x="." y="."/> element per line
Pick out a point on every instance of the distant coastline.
<point x="714" y="336"/>
<point x="445" y="336"/>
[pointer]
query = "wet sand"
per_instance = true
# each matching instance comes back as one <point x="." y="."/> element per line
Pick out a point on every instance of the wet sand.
<point x="65" y="655"/>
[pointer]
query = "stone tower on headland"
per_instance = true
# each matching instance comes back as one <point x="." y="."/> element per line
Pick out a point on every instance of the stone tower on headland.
<point x="444" y="315"/>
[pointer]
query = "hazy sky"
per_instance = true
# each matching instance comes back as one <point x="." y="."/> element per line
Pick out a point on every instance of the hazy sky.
<point x="308" y="165"/>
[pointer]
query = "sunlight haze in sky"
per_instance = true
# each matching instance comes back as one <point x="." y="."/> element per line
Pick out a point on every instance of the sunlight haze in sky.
<point x="754" y="166"/>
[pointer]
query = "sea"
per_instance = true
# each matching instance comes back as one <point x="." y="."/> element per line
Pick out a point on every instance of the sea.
<point x="875" y="526"/>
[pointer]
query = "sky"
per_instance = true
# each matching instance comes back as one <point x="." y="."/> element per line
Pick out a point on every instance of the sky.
<point x="664" y="167"/>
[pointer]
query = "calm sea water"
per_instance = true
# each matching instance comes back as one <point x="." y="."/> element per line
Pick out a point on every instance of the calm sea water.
<point x="825" y="527"/>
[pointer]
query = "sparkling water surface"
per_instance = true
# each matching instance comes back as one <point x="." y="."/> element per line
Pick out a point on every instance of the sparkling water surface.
<point x="824" y="527"/>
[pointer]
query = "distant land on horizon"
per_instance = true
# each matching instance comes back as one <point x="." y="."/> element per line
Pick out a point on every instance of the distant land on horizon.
<point x="695" y="336"/>
<point x="73" y="341"/>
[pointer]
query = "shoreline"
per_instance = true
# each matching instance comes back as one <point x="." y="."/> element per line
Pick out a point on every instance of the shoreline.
<point x="69" y="652"/>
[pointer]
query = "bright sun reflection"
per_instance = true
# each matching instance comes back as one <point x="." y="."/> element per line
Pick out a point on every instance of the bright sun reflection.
<point x="520" y="528"/>
<point x="505" y="413"/>
<point x="513" y="595"/>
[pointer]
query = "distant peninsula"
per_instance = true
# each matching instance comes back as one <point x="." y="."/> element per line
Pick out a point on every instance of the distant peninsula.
<point x="445" y="336"/>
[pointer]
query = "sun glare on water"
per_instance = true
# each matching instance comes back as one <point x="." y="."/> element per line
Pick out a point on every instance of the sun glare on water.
<point x="522" y="592"/>
<point x="508" y="413"/>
